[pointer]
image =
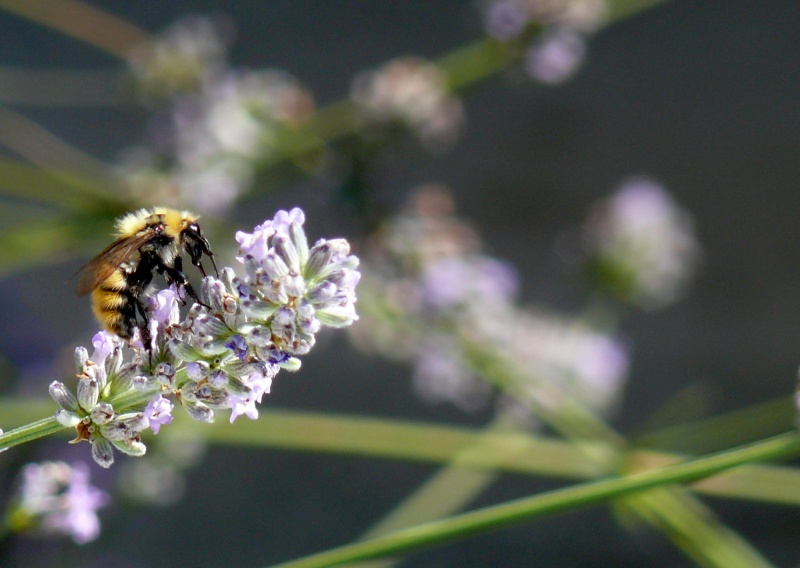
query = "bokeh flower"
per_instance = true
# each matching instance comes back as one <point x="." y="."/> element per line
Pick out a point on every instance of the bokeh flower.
<point x="412" y="93"/>
<point x="432" y="298"/>
<point x="640" y="245"/>
<point x="57" y="498"/>
<point x="558" y="49"/>
<point x="213" y="124"/>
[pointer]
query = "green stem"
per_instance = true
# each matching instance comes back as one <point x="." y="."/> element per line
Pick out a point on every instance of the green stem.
<point x="29" y="432"/>
<point x="48" y="426"/>
<point x="558" y="501"/>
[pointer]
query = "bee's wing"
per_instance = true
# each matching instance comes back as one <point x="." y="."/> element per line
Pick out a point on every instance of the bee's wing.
<point x="94" y="272"/>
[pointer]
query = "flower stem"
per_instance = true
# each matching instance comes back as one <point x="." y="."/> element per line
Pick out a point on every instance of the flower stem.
<point x="29" y="432"/>
<point x="558" y="501"/>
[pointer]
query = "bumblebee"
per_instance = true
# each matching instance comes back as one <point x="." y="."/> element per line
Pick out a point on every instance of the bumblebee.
<point x="148" y="241"/>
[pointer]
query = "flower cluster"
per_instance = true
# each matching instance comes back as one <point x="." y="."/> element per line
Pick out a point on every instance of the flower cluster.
<point x="432" y="298"/>
<point x="224" y="353"/>
<point x="214" y="126"/>
<point x="411" y="93"/>
<point x="184" y="57"/>
<point x="558" y="51"/>
<point x="57" y="498"/>
<point x="640" y="245"/>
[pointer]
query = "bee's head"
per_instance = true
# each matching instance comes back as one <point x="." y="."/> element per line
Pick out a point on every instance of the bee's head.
<point x="196" y="246"/>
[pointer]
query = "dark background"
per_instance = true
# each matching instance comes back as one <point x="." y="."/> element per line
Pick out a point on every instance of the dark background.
<point x="700" y="96"/>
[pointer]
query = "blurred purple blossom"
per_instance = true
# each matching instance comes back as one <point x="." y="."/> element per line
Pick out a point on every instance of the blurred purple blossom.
<point x="641" y="245"/>
<point x="57" y="498"/>
<point x="453" y="281"/>
<point x="411" y="92"/>
<point x="430" y="297"/>
<point x="556" y="56"/>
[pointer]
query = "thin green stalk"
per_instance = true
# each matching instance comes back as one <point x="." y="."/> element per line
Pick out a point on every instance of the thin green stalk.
<point x="49" y="426"/>
<point x="673" y="509"/>
<point x="514" y="452"/>
<point x="446" y="492"/>
<point x="695" y="529"/>
<point x="30" y="432"/>
<point x="558" y="501"/>
<point x="81" y="21"/>
<point x="44" y="149"/>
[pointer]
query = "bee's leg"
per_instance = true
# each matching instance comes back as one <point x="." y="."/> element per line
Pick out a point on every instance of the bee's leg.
<point x="176" y="275"/>
<point x="144" y="330"/>
<point x="197" y="246"/>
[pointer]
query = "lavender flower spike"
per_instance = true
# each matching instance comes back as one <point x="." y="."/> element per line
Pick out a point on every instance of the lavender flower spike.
<point x="224" y="353"/>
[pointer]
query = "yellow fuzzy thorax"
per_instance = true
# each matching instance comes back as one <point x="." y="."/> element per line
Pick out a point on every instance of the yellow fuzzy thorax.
<point x="174" y="221"/>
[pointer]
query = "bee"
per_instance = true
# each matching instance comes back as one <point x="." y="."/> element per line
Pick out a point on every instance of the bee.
<point x="148" y="241"/>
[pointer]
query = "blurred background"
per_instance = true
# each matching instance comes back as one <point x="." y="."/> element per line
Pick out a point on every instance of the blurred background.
<point x="698" y="97"/>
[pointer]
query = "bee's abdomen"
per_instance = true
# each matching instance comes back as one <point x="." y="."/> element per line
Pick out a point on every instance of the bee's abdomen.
<point x="115" y="309"/>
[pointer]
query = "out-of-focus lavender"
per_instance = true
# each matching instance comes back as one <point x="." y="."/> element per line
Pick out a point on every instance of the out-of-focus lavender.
<point x="639" y="244"/>
<point x="560" y="46"/>
<point x="412" y="93"/>
<point x="57" y="498"/>
<point x="430" y="297"/>
<point x="213" y="124"/>
<point x="185" y="57"/>
<point x="556" y="56"/>
<point x="508" y="19"/>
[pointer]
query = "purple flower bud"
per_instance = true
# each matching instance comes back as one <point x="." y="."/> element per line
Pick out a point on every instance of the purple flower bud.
<point x="143" y="383"/>
<point x="290" y="364"/>
<point x="197" y="370"/>
<point x="287" y="252"/>
<point x="260" y="383"/>
<point x="322" y="292"/>
<point x="133" y="448"/>
<point x="260" y="336"/>
<point x="88" y="393"/>
<point x="238" y="345"/>
<point x="275" y="266"/>
<point x="340" y="249"/>
<point x="211" y="325"/>
<point x="253" y="266"/>
<point x="318" y="258"/>
<point x="217" y="379"/>
<point x="338" y="316"/>
<point x="63" y="396"/>
<point x="66" y="418"/>
<point x="505" y="19"/>
<point x="102" y="451"/>
<point x="298" y="236"/>
<point x="81" y="356"/>
<point x="102" y="413"/>
<point x="200" y="412"/>
<point x="275" y="292"/>
<point x="258" y="309"/>
<point x="164" y="373"/>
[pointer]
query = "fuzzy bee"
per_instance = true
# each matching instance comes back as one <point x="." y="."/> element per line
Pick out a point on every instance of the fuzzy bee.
<point x="148" y="241"/>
